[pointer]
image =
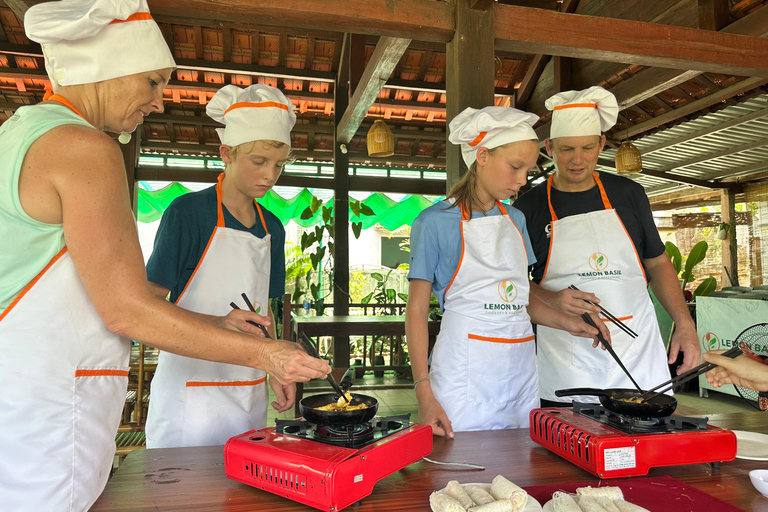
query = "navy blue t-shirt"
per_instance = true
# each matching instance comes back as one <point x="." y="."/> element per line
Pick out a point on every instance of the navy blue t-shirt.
<point x="627" y="198"/>
<point x="184" y="232"/>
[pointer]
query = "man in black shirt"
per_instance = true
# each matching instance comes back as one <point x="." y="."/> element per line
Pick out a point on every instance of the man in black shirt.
<point x="595" y="231"/>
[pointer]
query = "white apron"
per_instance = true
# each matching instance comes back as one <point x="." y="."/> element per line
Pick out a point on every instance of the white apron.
<point x="203" y="403"/>
<point x="483" y="369"/>
<point x="64" y="376"/>
<point x="594" y="252"/>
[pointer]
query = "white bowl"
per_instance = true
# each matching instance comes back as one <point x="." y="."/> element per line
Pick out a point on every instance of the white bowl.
<point x="759" y="478"/>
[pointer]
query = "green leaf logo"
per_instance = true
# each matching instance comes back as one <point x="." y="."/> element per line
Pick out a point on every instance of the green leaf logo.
<point x="598" y="261"/>
<point x="507" y="291"/>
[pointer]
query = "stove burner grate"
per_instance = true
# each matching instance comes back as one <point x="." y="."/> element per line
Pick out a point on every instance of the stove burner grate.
<point x="354" y="435"/>
<point x="630" y="424"/>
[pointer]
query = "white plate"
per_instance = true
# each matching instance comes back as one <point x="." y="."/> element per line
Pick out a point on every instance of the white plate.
<point x="751" y="445"/>
<point x="548" y="506"/>
<point x="531" y="506"/>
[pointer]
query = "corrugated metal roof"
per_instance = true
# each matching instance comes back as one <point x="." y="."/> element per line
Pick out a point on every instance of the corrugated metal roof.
<point x="724" y="144"/>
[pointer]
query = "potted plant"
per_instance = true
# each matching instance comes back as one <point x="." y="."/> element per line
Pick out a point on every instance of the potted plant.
<point x="723" y="230"/>
<point x="685" y="272"/>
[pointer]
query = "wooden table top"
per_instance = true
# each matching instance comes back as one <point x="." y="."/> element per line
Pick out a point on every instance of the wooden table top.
<point x="355" y="325"/>
<point x="193" y="478"/>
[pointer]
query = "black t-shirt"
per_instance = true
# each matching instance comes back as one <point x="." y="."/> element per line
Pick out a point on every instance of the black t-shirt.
<point x="627" y="198"/>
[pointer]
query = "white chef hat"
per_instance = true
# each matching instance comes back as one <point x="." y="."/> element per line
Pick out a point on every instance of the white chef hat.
<point x="588" y="112"/>
<point x="87" y="41"/>
<point x="258" y="112"/>
<point x="490" y="127"/>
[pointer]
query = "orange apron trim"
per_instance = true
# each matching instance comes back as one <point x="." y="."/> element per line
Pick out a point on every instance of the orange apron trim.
<point x="64" y="101"/>
<point x="624" y="318"/>
<point x="101" y="373"/>
<point x="263" y="104"/>
<point x="196" y="384"/>
<point x="133" y="17"/>
<point x="603" y="195"/>
<point x="478" y="139"/>
<point x="261" y="215"/>
<point x="500" y="340"/>
<point x="576" y="105"/>
<point x="32" y="283"/>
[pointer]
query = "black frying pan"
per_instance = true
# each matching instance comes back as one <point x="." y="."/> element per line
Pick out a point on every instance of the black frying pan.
<point x="308" y="408"/>
<point x="656" y="407"/>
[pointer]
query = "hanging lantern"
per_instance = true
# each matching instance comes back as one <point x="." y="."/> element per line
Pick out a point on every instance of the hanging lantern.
<point x="381" y="142"/>
<point x="628" y="159"/>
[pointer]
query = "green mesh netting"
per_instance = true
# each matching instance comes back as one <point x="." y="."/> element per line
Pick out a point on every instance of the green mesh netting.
<point x="389" y="213"/>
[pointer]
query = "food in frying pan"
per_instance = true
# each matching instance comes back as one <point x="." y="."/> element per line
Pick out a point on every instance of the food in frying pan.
<point x="441" y="502"/>
<point x="342" y="405"/>
<point x="632" y="399"/>
<point x="456" y="491"/>
<point x="503" y="489"/>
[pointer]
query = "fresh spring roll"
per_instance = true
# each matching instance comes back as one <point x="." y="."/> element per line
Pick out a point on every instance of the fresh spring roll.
<point x="457" y="492"/>
<point x="607" y="504"/>
<point x="589" y="504"/>
<point x="625" y="506"/>
<point x="496" y="506"/>
<point x="612" y="493"/>
<point x="564" y="502"/>
<point x="479" y="495"/>
<point x="441" y="502"/>
<point x="503" y="489"/>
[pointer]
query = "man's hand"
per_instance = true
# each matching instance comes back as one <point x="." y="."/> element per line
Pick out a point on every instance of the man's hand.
<point x="686" y="340"/>
<point x="285" y="395"/>
<point x="288" y="363"/>
<point x="573" y="302"/>
<point x="237" y="320"/>
<point x="576" y="326"/>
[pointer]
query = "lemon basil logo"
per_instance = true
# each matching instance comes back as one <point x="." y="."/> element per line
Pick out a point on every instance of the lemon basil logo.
<point x="257" y="307"/>
<point x="507" y="291"/>
<point x="711" y="341"/>
<point x="598" y="261"/>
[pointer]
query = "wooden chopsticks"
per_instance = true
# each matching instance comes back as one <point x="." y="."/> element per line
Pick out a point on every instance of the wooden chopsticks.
<point x="250" y="306"/>
<point x="685" y="377"/>
<point x="621" y="325"/>
<point x="609" y="348"/>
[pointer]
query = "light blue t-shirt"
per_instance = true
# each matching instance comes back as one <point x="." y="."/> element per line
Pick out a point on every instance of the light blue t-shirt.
<point x="436" y="243"/>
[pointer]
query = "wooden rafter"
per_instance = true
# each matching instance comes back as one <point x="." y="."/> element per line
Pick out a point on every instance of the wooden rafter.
<point x="19" y="7"/>
<point x="633" y="42"/>
<point x="380" y="66"/>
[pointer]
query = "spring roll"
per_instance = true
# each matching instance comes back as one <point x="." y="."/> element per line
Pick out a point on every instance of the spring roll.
<point x="479" y="495"/>
<point x="441" y="502"/>
<point x="589" y="504"/>
<point x="503" y="489"/>
<point x="625" y="506"/>
<point x="457" y="492"/>
<point x="607" y="504"/>
<point x="564" y="502"/>
<point x="495" y="506"/>
<point x="612" y="493"/>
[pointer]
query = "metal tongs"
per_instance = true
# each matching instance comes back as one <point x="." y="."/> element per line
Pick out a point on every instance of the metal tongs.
<point x="310" y="349"/>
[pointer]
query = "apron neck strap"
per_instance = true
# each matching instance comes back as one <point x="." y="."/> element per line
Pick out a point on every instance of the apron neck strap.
<point x="603" y="195"/>
<point x="501" y="207"/>
<point x="220" y="208"/>
<point x="64" y="101"/>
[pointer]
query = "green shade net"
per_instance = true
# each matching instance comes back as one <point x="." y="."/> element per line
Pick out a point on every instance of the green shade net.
<point x="387" y="212"/>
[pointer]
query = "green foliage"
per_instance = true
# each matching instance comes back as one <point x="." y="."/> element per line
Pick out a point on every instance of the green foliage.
<point x="685" y="270"/>
<point x="706" y="287"/>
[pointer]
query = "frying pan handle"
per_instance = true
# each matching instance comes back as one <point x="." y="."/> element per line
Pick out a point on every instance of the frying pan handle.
<point x="582" y="391"/>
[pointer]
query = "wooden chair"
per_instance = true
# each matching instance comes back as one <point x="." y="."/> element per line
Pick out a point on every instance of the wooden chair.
<point x="130" y="434"/>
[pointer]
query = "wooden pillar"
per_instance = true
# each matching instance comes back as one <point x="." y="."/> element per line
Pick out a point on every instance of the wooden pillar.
<point x="563" y="81"/>
<point x="714" y="14"/>
<point x="730" y="254"/>
<point x="341" y="207"/>
<point x="131" y="161"/>
<point x="470" y="72"/>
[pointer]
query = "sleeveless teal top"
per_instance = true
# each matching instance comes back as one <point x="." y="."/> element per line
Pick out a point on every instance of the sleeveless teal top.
<point x="26" y="245"/>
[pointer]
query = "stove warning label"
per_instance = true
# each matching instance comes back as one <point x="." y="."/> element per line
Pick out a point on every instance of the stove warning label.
<point x="619" y="458"/>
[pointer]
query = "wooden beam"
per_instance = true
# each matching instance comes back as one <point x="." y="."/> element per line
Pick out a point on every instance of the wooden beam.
<point x="384" y="59"/>
<point x="251" y="69"/>
<point x="632" y="42"/>
<point x="674" y="177"/>
<point x="470" y="72"/>
<point x="341" y="107"/>
<point x="648" y="84"/>
<point x="481" y="5"/>
<point x="356" y="60"/>
<point x="563" y="79"/>
<point x="531" y="77"/>
<point x="424" y="20"/>
<point x="714" y="14"/>
<point x="730" y="248"/>
<point x="197" y="32"/>
<point x="19" y="8"/>
<point x="690" y="108"/>
<point x="309" y="58"/>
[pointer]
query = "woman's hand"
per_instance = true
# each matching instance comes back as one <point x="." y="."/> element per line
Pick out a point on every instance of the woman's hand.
<point x="431" y="412"/>
<point x="741" y="371"/>
<point x="237" y="320"/>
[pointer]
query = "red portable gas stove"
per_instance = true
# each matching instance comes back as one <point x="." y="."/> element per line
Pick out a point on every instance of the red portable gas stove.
<point x="611" y="446"/>
<point x="327" y="468"/>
